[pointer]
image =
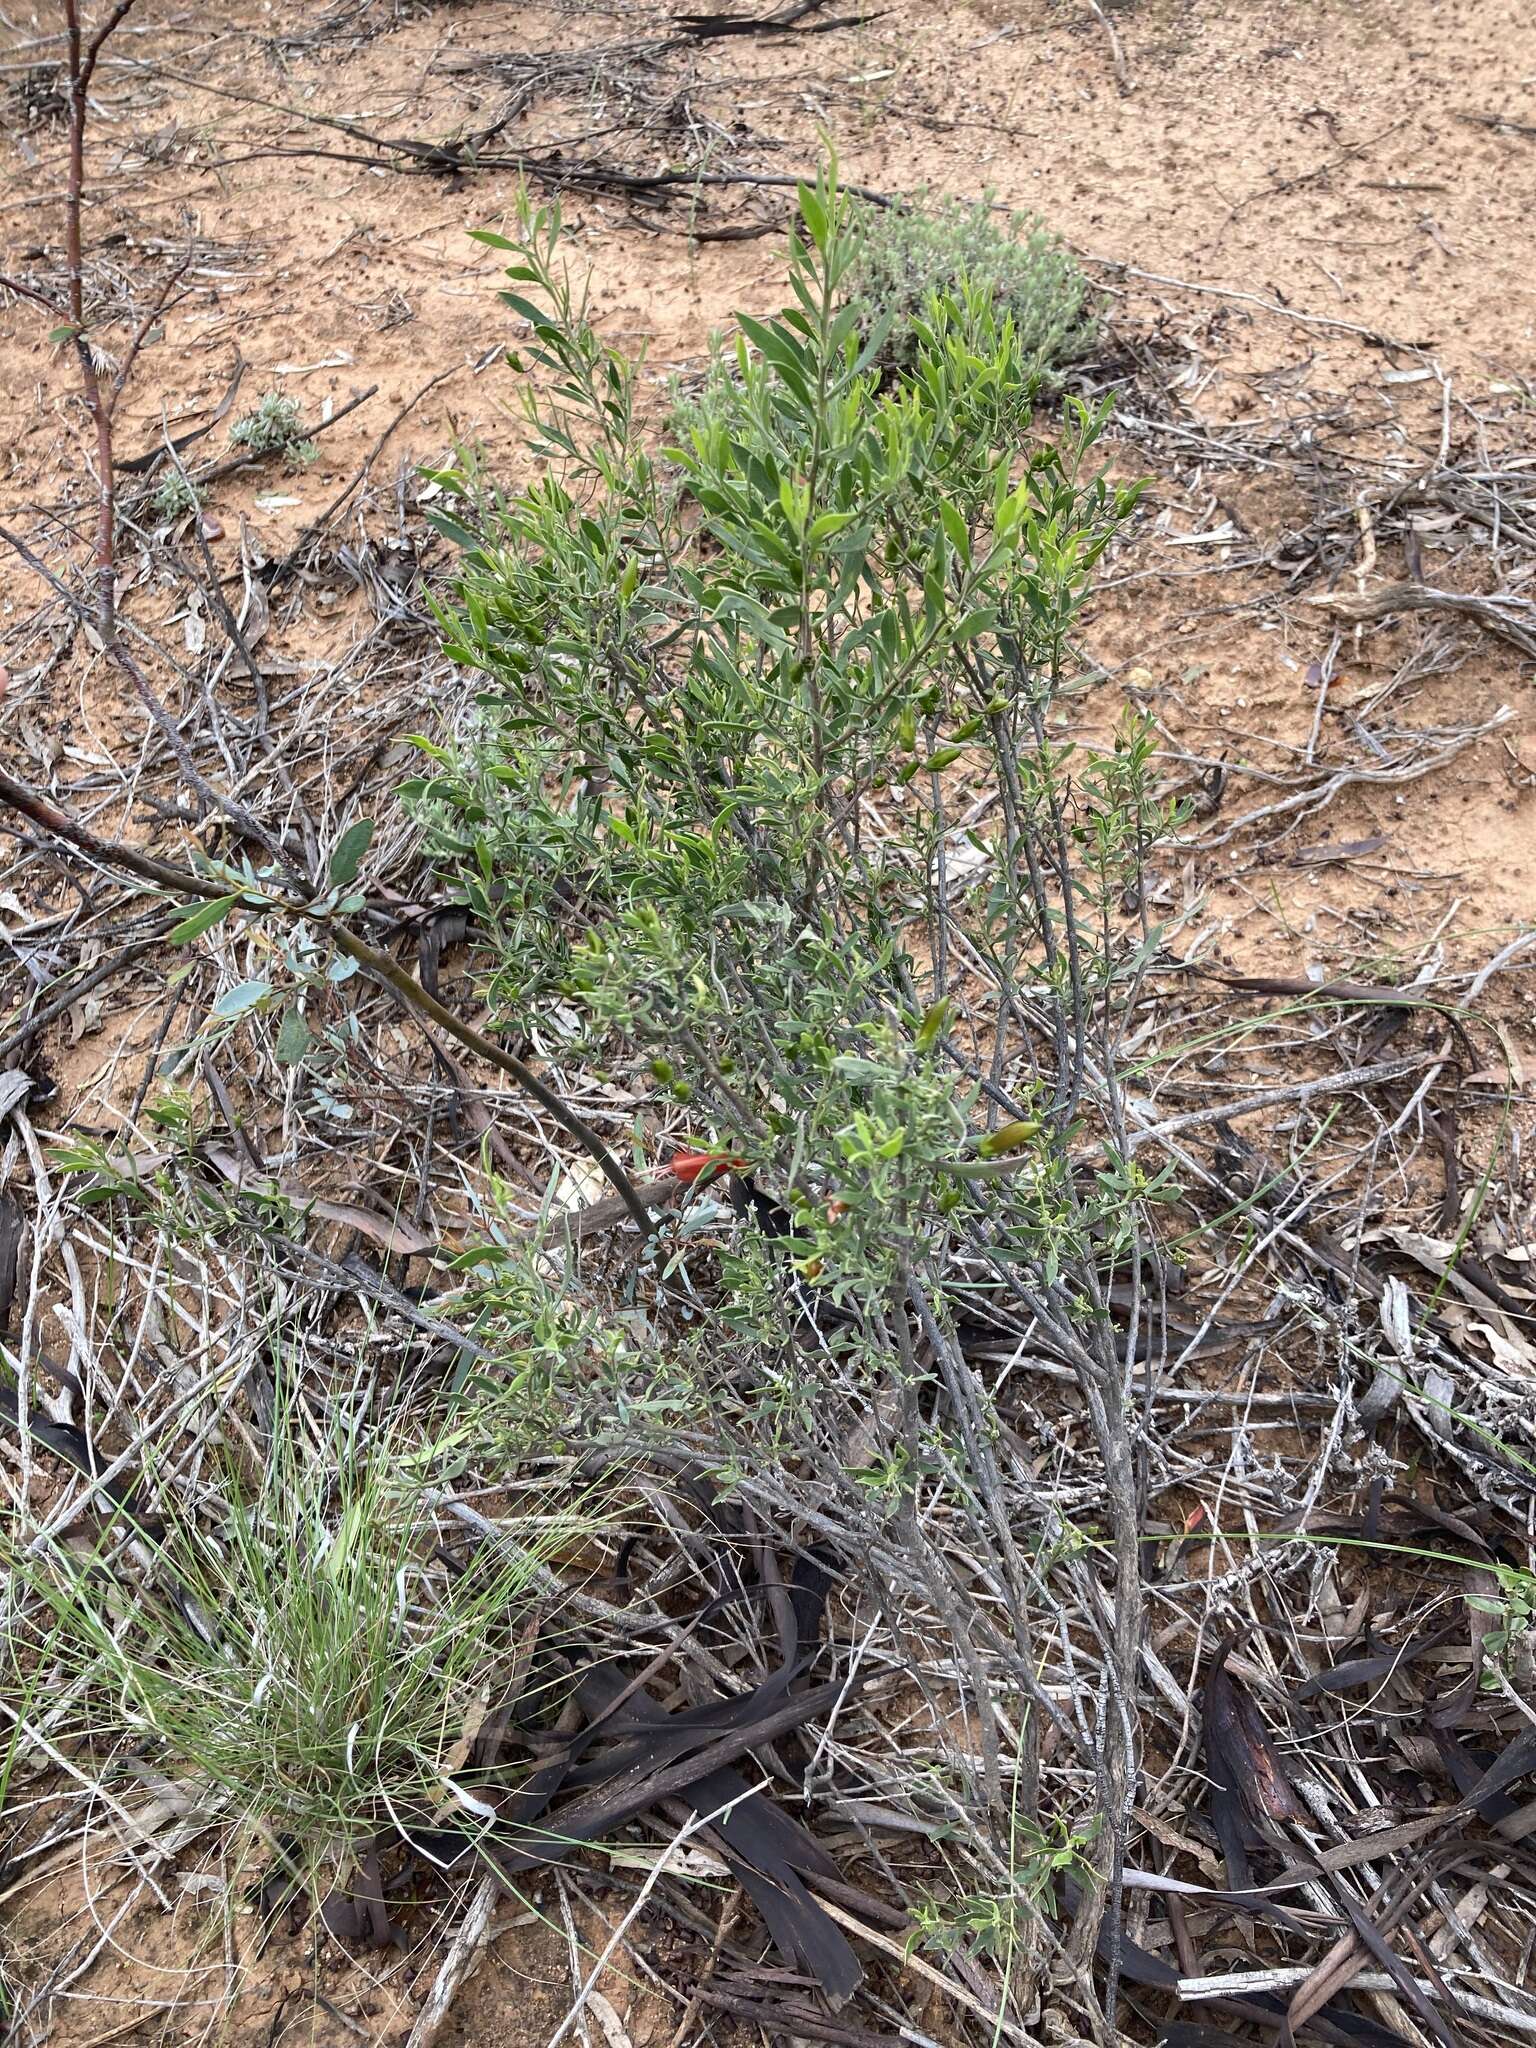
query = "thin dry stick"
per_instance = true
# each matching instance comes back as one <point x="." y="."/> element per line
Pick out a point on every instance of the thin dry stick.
<point x="901" y="1953"/>
<point x="244" y="459"/>
<point x="411" y="991"/>
<point x="730" y="1913"/>
<point x="1221" y="291"/>
<point x="658" y="1869"/>
<point x="113" y="853"/>
<point x="81" y="986"/>
<point x="1316" y="796"/>
<point x="1116" y="47"/>
<point x="318" y="525"/>
<point x="457" y="1964"/>
<point x="1270" y="1098"/>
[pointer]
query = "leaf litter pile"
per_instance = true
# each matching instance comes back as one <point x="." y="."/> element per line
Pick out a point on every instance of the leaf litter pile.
<point x="402" y="1519"/>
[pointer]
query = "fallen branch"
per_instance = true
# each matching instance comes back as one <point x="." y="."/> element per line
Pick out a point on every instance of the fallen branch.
<point x="474" y="1929"/>
<point x="1350" y="1083"/>
<point x="81" y="986"/>
<point x="1316" y="796"/>
<point x="183" y="883"/>
<point x="1504" y="615"/>
<point x="416" y="158"/>
<point x="1501" y="124"/>
<point x="137" y="465"/>
<point x="317" y="526"/>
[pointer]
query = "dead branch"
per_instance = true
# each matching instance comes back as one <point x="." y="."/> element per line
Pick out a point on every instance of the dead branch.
<point x="183" y="883"/>
<point x="1503" y="614"/>
<point x="1116" y="47"/>
<point x="1318" y="794"/>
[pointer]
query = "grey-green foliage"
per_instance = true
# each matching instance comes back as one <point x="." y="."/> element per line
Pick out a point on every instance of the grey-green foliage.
<point x="906" y="253"/>
<point x="849" y="589"/>
<point x="904" y="256"/>
<point x="274" y="427"/>
<point x="175" y="497"/>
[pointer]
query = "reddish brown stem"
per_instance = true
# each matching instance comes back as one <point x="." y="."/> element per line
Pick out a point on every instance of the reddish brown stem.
<point x="29" y="291"/>
<point x="83" y="56"/>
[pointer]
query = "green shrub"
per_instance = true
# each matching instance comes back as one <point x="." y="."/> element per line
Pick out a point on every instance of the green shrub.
<point x="847" y="590"/>
<point x="765" y="807"/>
<point x="903" y="257"/>
<point x="906" y="254"/>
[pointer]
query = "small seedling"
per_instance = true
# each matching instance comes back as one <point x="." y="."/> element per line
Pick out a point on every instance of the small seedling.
<point x="1507" y="1645"/>
<point x="175" y="498"/>
<point x="274" y="428"/>
<point x="996" y="1923"/>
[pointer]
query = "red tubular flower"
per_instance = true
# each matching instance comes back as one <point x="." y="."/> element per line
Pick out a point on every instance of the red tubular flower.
<point x="694" y="1168"/>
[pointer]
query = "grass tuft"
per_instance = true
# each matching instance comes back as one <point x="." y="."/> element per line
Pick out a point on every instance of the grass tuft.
<point x="307" y="1656"/>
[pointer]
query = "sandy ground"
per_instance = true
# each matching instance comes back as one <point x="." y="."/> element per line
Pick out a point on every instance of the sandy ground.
<point x="1312" y="224"/>
<point x="1334" y="162"/>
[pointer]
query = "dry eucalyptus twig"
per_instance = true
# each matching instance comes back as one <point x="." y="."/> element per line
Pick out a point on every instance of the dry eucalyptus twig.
<point x="82" y="984"/>
<point x="113" y="853"/>
<point x="1349" y="1083"/>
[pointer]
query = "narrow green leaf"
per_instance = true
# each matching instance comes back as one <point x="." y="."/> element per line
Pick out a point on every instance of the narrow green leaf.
<point x="830" y="523"/>
<point x="770" y="339"/>
<point x="426" y="746"/>
<point x="203" y="919"/>
<point x="814" y="214"/>
<point x="534" y="315"/>
<point x="933" y="1024"/>
<point x="955" y="527"/>
<point x="1008" y="1137"/>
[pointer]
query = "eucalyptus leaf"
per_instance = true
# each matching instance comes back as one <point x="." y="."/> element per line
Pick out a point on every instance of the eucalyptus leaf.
<point x="347" y="857"/>
<point x="294" y="1038"/>
<point x="203" y="919"/>
<point x="241" y="1000"/>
